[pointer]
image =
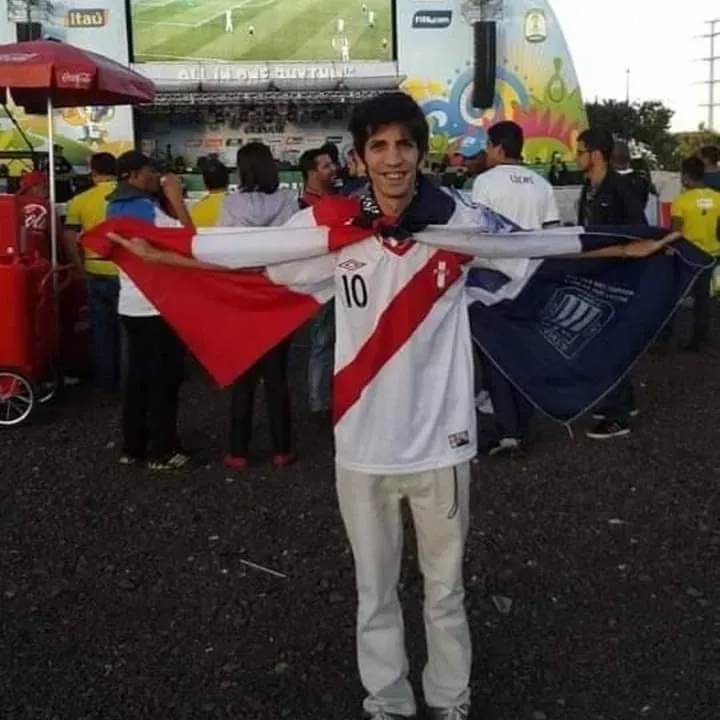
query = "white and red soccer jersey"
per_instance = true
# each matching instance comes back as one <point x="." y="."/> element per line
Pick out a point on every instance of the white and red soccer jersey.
<point x="403" y="366"/>
<point x="403" y="400"/>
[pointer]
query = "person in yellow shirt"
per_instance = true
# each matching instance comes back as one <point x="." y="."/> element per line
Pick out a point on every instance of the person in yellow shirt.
<point x="696" y="214"/>
<point x="206" y="211"/>
<point x="84" y="211"/>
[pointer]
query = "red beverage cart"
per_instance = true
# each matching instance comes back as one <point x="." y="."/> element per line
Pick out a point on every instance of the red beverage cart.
<point x="41" y="305"/>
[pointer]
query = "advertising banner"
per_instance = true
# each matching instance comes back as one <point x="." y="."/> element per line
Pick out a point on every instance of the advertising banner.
<point x="97" y="25"/>
<point x="261" y="30"/>
<point x="536" y="85"/>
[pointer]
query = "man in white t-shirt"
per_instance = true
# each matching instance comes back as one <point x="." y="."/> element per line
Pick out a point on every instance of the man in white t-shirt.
<point x="229" y="26"/>
<point x="527" y="199"/>
<point x="510" y="188"/>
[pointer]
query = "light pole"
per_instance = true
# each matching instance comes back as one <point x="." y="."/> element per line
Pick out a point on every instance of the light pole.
<point x="627" y="85"/>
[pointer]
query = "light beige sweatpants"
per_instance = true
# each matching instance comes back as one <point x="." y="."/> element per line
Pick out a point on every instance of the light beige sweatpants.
<point x="370" y="508"/>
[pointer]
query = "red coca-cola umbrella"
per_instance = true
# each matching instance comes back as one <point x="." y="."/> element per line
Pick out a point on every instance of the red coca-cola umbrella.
<point x="44" y="71"/>
<point x="42" y="75"/>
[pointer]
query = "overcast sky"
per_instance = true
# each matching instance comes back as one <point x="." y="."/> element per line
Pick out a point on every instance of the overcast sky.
<point x="655" y="40"/>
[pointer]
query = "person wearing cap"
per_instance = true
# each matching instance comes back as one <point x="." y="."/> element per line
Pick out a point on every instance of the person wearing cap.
<point x="473" y="157"/>
<point x="84" y="212"/>
<point x="155" y="356"/>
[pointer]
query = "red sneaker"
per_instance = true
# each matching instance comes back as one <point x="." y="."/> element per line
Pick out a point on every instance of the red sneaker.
<point x="281" y="461"/>
<point x="235" y="462"/>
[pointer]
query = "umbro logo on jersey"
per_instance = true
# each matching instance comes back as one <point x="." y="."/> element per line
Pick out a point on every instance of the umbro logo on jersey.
<point x="459" y="439"/>
<point x="352" y="265"/>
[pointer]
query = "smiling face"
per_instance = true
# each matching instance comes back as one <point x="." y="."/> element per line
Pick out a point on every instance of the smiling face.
<point x="391" y="160"/>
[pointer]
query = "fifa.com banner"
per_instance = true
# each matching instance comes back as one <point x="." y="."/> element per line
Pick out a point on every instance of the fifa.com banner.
<point x="96" y="25"/>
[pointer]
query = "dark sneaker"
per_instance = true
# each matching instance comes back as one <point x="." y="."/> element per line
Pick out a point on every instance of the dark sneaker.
<point x="461" y="712"/>
<point x="607" y="429"/>
<point x="176" y="461"/>
<point x="602" y="416"/>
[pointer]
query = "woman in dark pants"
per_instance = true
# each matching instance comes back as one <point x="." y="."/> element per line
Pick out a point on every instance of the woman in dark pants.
<point x="259" y="202"/>
<point x="272" y="369"/>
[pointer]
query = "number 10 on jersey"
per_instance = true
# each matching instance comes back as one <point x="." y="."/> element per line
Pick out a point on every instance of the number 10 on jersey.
<point x="354" y="291"/>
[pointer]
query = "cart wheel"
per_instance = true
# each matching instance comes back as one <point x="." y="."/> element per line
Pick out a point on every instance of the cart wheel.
<point x="47" y="389"/>
<point x="17" y="399"/>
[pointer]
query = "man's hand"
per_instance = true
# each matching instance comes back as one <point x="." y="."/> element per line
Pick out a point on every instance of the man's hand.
<point x="137" y="246"/>
<point x="645" y="248"/>
<point x="172" y="188"/>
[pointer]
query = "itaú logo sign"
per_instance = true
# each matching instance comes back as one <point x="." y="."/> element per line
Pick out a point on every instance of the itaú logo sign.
<point x="89" y="18"/>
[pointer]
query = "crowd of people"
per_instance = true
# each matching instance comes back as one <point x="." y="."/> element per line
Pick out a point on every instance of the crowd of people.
<point x="392" y="450"/>
<point x="613" y="194"/>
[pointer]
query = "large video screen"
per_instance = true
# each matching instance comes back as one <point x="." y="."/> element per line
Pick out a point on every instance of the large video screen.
<point x="261" y="30"/>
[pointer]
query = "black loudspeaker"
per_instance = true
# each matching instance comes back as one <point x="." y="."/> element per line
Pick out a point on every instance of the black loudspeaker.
<point x="24" y="31"/>
<point x="485" y="56"/>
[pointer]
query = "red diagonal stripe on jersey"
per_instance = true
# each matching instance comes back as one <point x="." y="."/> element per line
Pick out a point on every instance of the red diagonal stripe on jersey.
<point x="396" y="325"/>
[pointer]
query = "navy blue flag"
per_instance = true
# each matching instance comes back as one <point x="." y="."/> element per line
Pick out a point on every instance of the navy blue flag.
<point x="569" y="333"/>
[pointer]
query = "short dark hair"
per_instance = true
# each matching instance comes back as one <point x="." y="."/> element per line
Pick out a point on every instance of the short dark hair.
<point x="391" y="108"/>
<point x="509" y="136"/>
<point x="257" y="169"/>
<point x="103" y="164"/>
<point x="598" y="139"/>
<point x="693" y="168"/>
<point x="331" y="149"/>
<point x="711" y="154"/>
<point x="215" y="175"/>
<point x="308" y="160"/>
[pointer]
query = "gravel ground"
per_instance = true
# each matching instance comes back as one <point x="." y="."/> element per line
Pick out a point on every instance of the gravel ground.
<point x="592" y="571"/>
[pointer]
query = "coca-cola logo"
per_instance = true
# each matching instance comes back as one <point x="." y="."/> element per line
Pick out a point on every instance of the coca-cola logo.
<point x="16" y="57"/>
<point x="75" y="79"/>
<point x="35" y="217"/>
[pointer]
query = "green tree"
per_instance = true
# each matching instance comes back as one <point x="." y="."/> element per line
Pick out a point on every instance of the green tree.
<point x="31" y="10"/>
<point x="643" y="122"/>
<point x="689" y="143"/>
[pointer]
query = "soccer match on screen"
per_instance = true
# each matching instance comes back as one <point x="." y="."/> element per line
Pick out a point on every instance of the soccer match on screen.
<point x="262" y="30"/>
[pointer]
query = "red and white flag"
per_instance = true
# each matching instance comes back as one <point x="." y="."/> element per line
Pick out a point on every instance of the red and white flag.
<point x="230" y="319"/>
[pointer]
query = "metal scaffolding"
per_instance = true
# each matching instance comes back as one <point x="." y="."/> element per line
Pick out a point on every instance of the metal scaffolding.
<point x="712" y="103"/>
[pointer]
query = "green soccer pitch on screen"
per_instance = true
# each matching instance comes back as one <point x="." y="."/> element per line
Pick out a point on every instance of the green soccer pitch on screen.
<point x="261" y="30"/>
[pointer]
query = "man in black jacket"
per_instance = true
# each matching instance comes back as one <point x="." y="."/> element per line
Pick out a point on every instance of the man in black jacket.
<point x="607" y="200"/>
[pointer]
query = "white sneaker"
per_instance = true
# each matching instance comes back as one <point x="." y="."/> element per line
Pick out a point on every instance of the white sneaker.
<point x="483" y="403"/>
<point x="461" y="712"/>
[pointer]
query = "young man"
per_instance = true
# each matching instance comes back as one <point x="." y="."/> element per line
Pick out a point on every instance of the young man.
<point x="404" y="419"/>
<point x="206" y="212"/>
<point x="155" y="355"/>
<point x="511" y="189"/>
<point x="606" y="200"/>
<point x="229" y="27"/>
<point x="85" y="211"/>
<point x="696" y="214"/>
<point x="319" y="171"/>
<point x="528" y="200"/>
<point x="710" y="155"/>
